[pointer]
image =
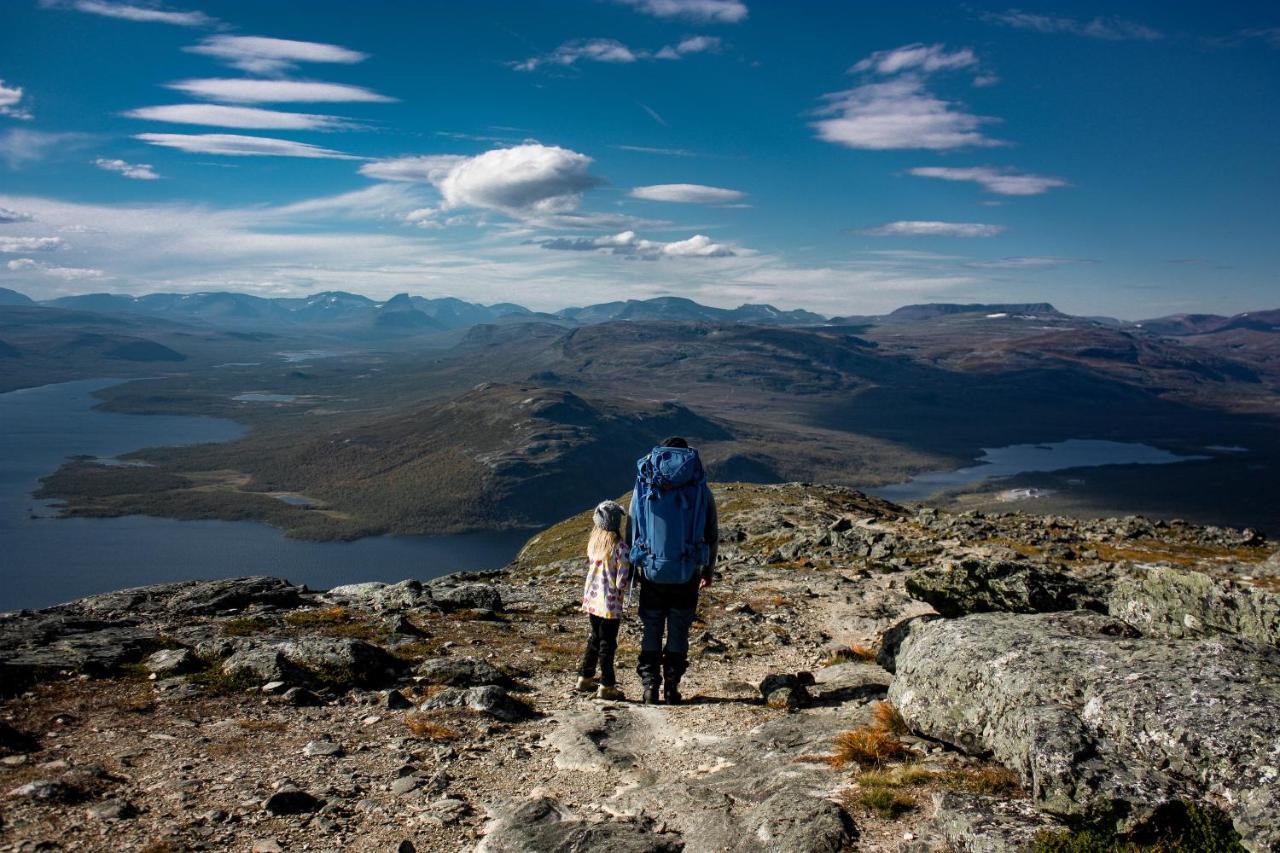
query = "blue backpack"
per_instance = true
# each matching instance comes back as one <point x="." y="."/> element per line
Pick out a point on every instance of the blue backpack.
<point x="669" y="515"/>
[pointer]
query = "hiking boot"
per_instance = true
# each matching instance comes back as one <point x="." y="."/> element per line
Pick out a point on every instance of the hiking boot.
<point x="609" y="692"/>
<point x="651" y="696"/>
<point x="586" y="685"/>
<point x="672" y="697"/>
<point x="673" y="667"/>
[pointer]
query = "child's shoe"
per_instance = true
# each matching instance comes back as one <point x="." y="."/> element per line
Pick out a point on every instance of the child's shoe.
<point x="586" y="685"/>
<point x="608" y="691"/>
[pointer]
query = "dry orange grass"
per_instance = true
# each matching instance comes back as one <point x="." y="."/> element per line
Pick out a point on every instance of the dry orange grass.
<point x="886" y="718"/>
<point x="424" y="727"/>
<point x="850" y="654"/>
<point x="868" y="748"/>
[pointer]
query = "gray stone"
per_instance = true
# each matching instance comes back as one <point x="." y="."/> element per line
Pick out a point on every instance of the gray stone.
<point x="1178" y="603"/>
<point x="450" y="595"/>
<point x="891" y="639"/>
<point x="490" y="699"/>
<point x="786" y="823"/>
<point x="394" y="700"/>
<point x="460" y="672"/>
<point x="289" y="799"/>
<point x="301" y="697"/>
<point x="191" y="598"/>
<point x="975" y="585"/>
<point x="786" y="691"/>
<point x="449" y="810"/>
<point x="404" y="785"/>
<point x="322" y="749"/>
<point x="1101" y="723"/>
<point x="976" y="824"/>
<point x="266" y="845"/>
<point x="112" y="810"/>
<point x="172" y="662"/>
<point x="44" y="789"/>
<point x="375" y="595"/>
<point x="542" y="824"/>
<point x="264" y="664"/>
<point x="342" y="661"/>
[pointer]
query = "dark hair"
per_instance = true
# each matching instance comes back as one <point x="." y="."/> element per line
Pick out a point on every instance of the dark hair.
<point x="675" y="441"/>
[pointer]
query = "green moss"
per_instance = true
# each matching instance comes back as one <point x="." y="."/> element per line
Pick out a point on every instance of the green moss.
<point x="219" y="683"/>
<point x="245" y="626"/>
<point x="885" y="803"/>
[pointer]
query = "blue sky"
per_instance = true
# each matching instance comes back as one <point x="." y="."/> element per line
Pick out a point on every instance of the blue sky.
<point x="1114" y="158"/>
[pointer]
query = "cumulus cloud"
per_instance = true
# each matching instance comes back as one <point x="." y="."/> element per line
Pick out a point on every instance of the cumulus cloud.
<point x="261" y="55"/>
<point x="244" y="91"/>
<point x="708" y="11"/>
<point x="11" y="102"/>
<point x="137" y="171"/>
<point x="899" y="114"/>
<point x="1106" y="28"/>
<point x="239" y="118"/>
<point x="1000" y="181"/>
<point x="64" y="273"/>
<point x="615" y="52"/>
<point x="524" y="181"/>
<point x="8" y="216"/>
<point x="629" y="244"/>
<point x="688" y="194"/>
<point x="928" y="228"/>
<point x="152" y="13"/>
<point x="14" y="245"/>
<point x="926" y="58"/>
<point x="234" y="145"/>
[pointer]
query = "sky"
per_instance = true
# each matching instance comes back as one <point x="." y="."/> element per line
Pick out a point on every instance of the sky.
<point x="1115" y="158"/>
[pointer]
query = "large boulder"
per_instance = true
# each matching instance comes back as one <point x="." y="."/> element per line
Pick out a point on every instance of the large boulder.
<point x="375" y="595"/>
<point x="191" y="598"/>
<point x="1178" y="603"/>
<point x="342" y="661"/>
<point x="976" y="585"/>
<point x="1102" y="724"/>
<point x="542" y="823"/>
<point x="453" y="593"/>
<point x="489" y="699"/>
<point x="460" y="672"/>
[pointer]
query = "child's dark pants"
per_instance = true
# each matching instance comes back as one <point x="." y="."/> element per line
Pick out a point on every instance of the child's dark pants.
<point x="601" y="648"/>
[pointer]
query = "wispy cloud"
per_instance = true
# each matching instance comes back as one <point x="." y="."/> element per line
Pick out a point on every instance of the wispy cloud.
<point x="929" y="228"/>
<point x="687" y="194"/>
<point x="261" y="55"/>
<point x="11" y="102"/>
<point x="20" y="146"/>
<point x="8" y="217"/>
<point x="15" y="245"/>
<point x="64" y="273"/>
<point x="1000" y="181"/>
<point x="707" y="11"/>
<point x="524" y="181"/>
<point x="1106" y="28"/>
<point x="1270" y="36"/>
<point x="899" y="114"/>
<point x="245" y="91"/>
<point x="926" y="58"/>
<point x="143" y="13"/>
<point x="629" y="244"/>
<point x="234" y="145"/>
<point x="137" y="171"/>
<point x="646" y="149"/>
<point x="614" y="52"/>
<point x="240" y="118"/>
<point x="1026" y="263"/>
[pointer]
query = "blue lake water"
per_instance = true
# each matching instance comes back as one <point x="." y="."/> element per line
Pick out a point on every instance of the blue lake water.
<point x="47" y="560"/>
<point x="1029" y="458"/>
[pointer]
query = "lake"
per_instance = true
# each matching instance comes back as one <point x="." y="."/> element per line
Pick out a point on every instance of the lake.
<point x="47" y="560"/>
<point x="1030" y="458"/>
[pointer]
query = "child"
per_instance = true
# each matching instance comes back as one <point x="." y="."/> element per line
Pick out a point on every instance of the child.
<point x="608" y="580"/>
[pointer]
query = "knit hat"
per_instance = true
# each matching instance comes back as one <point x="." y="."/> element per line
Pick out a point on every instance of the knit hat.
<point x="608" y="516"/>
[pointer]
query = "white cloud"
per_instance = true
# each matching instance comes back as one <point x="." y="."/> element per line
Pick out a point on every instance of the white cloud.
<point x="1001" y="181"/>
<point x="926" y="58"/>
<point x="592" y="50"/>
<point x="14" y="245"/>
<point x="234" y="145"/>
<point x="239" y="118"/>
<point x="1106" y="28"/>
<point x="64" y="273"/>
<point x="628" y="244"/>
<point x="899" y="113"/>
<point x="11" y="102"/>
<point x="1026" y="263"/>
<point x="687" y="194"/>
<point x="261" y="55"/>
<point x="709" y="11"/>
<point x="245" y="91"/>
<point x="427" y="169"/>
<point x="8" y="216"/>
<point x="691" y="45"/>
<point x="137" y="171"/>
<point x="19" y="146"/>
<point x="928" y="228"/>
<point x="146" y="13"/>
<point x="524" y="181"/>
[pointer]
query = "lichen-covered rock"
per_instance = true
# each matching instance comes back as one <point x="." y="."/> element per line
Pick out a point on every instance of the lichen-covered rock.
<point x="264" y="665"/>
<point x="172" y="662"/>
<point x="971" y="823"/>
<point x="191" y="598"/>
<point x="975" y="585"/>
<point x="460" y="672"/>
<point x="1102" y="724"/>
<point x="449" y="594"/>
<point x="541" y="824"/>
<point x="342" y="661"/>
<point x="1178" y="603"/>
<point x="375" y="595"/>
<point x="489" y="699"/>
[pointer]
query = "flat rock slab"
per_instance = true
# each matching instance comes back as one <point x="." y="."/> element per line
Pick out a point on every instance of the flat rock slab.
<point x="1101" y="723"/>
<point x="975" y="824"/>
<point x="542" y="824"/>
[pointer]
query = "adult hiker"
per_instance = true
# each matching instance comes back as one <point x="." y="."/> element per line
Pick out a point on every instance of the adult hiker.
<point x="674" y="541"/>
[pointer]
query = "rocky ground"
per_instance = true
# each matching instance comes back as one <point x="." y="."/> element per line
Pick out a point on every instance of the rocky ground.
<point x="865" y="676"/>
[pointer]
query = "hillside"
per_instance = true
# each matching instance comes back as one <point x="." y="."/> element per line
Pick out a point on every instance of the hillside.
<point x="863" y="677"/>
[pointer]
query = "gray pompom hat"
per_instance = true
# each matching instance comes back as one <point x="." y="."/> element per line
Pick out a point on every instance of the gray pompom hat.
<point x="608" y="515"/>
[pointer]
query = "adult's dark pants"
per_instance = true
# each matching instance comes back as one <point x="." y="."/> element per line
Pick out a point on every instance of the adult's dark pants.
<point x="602" y="646"/>
<point x="666" y="612"/>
